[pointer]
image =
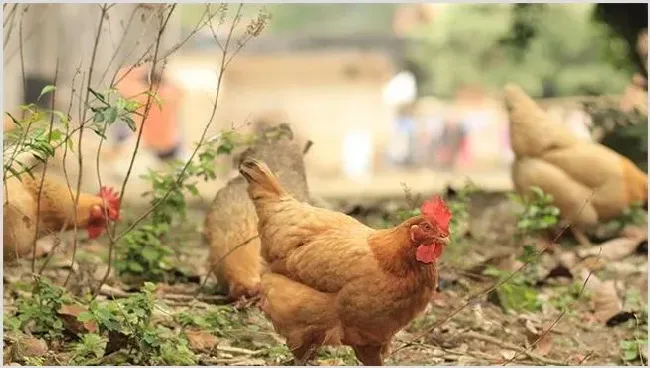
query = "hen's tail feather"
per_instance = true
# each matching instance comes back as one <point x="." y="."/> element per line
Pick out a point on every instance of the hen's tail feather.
<point x="262" y="182"/>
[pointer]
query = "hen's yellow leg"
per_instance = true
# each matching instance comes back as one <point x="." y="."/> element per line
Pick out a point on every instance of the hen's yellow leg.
<point x="580" y="237"/>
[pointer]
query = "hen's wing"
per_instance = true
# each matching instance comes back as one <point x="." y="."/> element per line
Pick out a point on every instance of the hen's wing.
<point x="320" y="248"/>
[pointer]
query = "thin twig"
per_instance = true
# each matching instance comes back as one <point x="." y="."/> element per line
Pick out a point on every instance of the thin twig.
<point x="45" y="164"/>
<point x="201" y="142"/>
<point x="112" y="292"/>
<point x="499" y="342"/>
<point x="102" y="16"/>
<point x="111" y="245"/>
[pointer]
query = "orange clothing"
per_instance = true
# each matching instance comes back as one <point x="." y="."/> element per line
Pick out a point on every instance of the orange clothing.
<point x="161" y="132"/>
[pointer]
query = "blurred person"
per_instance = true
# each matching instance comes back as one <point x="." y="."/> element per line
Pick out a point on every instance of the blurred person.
<point x="402" y="148"/>
<point x="161" y="133"/>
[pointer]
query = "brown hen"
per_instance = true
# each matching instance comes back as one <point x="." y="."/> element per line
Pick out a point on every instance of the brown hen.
<point x="333" y="280"/>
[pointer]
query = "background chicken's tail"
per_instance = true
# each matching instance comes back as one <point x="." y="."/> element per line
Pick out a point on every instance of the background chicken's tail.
<point x="262" y="183"/>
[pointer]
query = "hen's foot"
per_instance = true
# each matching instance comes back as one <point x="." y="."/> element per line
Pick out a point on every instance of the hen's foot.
<point x="244" y="302"/>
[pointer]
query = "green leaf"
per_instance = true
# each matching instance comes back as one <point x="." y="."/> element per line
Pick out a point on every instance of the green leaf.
<point x="529" y="254"/>
<point x="192" y="188"/>
<point x="129" y="122"/>
<point x="47" y="89"/>
<point x="225" y="148"/>
<point x="135" y="267"/>
<point x="99" y="116"/>
<point x="56" y="135"/>
<point x="70" y="145"/>
<point x="85" y="316"/>
<point x="110" y="114"/>
<point x="150" y="254"/>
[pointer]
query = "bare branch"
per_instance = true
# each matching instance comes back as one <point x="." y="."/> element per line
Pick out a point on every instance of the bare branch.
<point x="40" y="187"/>
<point x="104" y="10"/>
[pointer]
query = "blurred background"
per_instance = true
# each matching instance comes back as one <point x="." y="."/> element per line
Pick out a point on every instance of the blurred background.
<point x="388" y="93"/>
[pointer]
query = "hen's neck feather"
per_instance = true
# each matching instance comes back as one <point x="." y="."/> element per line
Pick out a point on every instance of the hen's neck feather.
<point x="395" y="251"/>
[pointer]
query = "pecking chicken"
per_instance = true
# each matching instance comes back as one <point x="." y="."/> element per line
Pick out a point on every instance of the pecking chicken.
<point x="549" y="156"/>
<point x="56" y="212"/>
<point x="232" y="220"/>
<point x="332" y="280"/>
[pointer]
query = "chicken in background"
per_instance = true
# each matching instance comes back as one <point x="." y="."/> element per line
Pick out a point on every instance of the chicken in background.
<point x="232" y="220"/>
<point x="333" y="280"/>
<point x="550" y="157"/>
<point x="55" y="213"/>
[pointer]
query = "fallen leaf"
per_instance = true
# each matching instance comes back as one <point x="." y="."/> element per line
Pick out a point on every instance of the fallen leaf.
<point x="535" y="330"/>
<point x="69" y="314"/>
<point x="612" y="250"/>
<point x="200" y="340"/>
<point x="544" y="345"/>
<point x="606" y="301"/>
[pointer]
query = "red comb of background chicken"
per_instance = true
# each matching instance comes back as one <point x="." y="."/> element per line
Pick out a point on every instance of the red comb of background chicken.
<point x="436" y="211"/>
<point x="112" y="199"/>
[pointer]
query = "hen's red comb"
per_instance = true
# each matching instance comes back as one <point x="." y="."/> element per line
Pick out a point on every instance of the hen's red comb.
<point x="436" y="211"/>
<point x="112" y="199"/>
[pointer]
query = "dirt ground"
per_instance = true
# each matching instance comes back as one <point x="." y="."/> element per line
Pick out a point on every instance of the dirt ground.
<point x="472" y="327"/>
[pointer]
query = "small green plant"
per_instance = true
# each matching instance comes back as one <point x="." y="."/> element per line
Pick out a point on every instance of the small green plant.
<point x="517" y="293"/>
<point x="277" y="353"/>
<point x="35" y="361"/>
<point x="128" y="324"/>
<point x="634" y="214"/>
<point x="539" y="213"/>
<point x="143" y="254"/>
<point x="632" y="349"/>
<point x="566" y="296"/>
<point x="89" y="350"/>
<point x="32" y="135"/>
<point x="38" y="311"/>
<point x="110" y="107"/>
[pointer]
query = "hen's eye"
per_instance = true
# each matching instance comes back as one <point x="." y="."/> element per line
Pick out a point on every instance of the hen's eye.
<point x="426" y="227"/>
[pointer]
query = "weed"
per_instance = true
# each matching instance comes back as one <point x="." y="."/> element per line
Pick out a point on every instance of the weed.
<point x="631" y="349"/>
<point x="35" y="361"/>
<point x="89" y="350"/>
<point x="129" y="326"/>
<point x="539" y="213"/>
<point x="143" y="254"/>
<point x="38" y="310"/>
